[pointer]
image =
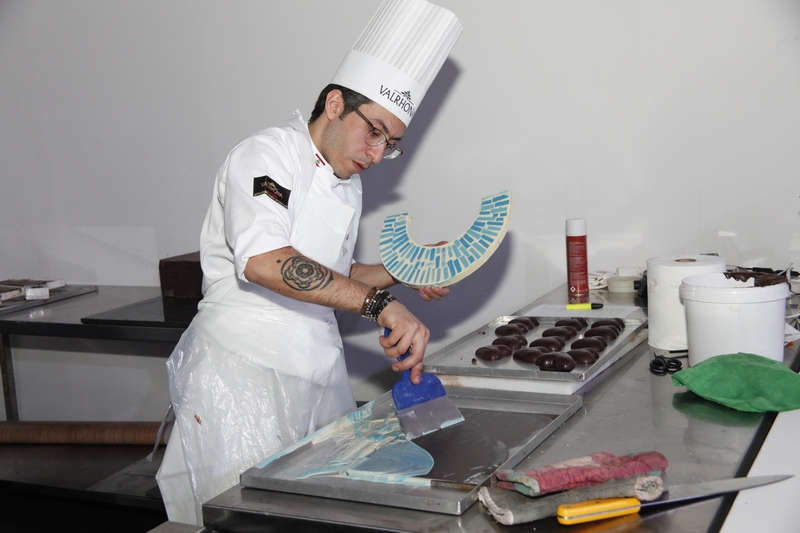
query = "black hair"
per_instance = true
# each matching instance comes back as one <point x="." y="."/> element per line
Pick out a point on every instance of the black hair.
<point x="352" y="101"/>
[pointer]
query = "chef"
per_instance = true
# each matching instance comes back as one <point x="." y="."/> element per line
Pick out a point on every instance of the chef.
<point x="262" y="363"/>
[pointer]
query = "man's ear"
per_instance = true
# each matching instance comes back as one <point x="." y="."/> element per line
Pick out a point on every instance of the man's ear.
<point x="334" y="104"/>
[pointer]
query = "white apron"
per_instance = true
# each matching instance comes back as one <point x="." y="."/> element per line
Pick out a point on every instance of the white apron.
<point x="247" y="382"/>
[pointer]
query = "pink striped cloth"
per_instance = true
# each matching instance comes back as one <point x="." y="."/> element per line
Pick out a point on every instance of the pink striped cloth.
<point x="581" y="472"/>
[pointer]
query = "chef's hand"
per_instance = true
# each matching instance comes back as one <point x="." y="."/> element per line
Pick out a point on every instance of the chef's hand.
<point x="408" y="333"/>
<point x="434" y="293"/>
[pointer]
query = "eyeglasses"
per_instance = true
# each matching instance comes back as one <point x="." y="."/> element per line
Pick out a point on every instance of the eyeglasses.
<point x="376" y="137"/>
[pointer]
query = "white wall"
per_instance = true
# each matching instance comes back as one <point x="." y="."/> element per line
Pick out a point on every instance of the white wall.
<point x="672" y="126"/>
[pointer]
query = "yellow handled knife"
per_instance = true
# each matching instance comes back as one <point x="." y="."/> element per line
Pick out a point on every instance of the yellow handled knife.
<point x="578" y="513"/>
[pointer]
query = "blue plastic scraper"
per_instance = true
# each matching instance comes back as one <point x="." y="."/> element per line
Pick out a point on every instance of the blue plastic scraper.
<point x="423" y="408"/>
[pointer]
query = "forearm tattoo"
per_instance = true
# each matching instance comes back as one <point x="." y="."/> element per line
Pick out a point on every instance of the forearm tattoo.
<point x="302" y="274"/>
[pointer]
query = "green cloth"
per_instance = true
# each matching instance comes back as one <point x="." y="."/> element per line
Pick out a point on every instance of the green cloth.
<point x="743" y="381"/>
<point x="699" y="408"/>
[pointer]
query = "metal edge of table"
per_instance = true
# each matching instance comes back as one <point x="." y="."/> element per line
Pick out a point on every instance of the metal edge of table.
<point x="63" y="318"/>
<point x="83" y="495"/>
<point x="91" y="331"/>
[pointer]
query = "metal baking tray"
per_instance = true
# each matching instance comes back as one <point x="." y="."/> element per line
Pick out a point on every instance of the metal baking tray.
<point x="510" y="424"/>
<point x="459" y="357"/>
<point x="14" y="305"/>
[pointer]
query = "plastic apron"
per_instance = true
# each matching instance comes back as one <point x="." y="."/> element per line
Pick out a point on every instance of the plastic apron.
<point x="247" y="383"/>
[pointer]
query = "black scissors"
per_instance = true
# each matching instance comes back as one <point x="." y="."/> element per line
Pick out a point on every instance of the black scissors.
<point x="661" y="365"/>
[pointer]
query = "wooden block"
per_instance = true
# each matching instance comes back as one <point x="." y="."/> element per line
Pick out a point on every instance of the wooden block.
<point x="181" y="276"/>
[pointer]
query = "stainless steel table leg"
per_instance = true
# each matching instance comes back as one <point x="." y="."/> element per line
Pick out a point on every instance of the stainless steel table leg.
<point x="7" y="371"/>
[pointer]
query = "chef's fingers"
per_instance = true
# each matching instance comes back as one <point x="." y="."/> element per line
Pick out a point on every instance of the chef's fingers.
<point x="433" y="293"/>
<point x="414" y="361"/>
<point x="391" y="343"/>
<point x="416" y="374"/>
<point x="408" y="335"/>
<point x="412" y="338"/>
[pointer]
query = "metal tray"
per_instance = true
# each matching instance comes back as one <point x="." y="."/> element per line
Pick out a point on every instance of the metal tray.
<point x="513" y="422"/>
<point x="61" y="293"/>
<point x="459" y="358"/>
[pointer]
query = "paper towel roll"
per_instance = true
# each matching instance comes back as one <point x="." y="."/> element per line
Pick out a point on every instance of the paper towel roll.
<point x="665" y="314"/>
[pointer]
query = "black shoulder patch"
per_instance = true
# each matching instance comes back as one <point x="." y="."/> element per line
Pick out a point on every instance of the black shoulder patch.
<point x="266" y="185"/>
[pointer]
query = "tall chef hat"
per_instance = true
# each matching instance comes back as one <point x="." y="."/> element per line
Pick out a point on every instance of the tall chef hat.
<point x="399" y="53"/>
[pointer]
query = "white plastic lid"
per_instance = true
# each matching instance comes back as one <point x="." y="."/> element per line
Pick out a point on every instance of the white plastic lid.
<point x="576" y="227"/>
<point x="715" y="287"/>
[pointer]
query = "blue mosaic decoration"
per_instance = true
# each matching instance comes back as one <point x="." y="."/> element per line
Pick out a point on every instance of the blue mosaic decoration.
<point x="418" y="266"/>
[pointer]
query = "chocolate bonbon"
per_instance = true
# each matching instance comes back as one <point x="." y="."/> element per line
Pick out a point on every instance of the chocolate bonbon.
<point x="608" y="322"/>
<point x="528" y="322"/>
<point x="510" y="329"/>
<point x="570" y="322"/>
<point x="565" y="333"/>
<point x="528" y="355"/>
<point x="512" y="341"/>
<point x="493" y="353"/>
<point x="583" y="356"/>
<point x="550" y="344"/>
<point x="595" y="343"/>
<point x="607" y="332"/>
<point x="555" y="362"/>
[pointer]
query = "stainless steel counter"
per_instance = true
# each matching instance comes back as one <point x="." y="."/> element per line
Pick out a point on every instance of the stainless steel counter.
<point x="63" y="318"/>
<point x="626" y="409"/>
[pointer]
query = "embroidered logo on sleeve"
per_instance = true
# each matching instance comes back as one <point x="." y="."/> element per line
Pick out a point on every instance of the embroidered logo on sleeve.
<point x="266" y="185"/>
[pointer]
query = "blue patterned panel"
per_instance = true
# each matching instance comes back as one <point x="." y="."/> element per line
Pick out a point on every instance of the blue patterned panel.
<point x="420" y="266"/>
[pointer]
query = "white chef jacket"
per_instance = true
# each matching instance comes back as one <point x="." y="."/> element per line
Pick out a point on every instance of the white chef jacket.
<point x="256" y="371"/>
<point x="251" y="224"/>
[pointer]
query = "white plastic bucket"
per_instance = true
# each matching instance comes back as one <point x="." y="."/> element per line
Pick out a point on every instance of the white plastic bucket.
<point x="728" y="316"/>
